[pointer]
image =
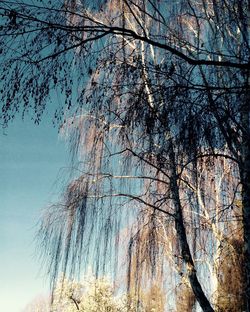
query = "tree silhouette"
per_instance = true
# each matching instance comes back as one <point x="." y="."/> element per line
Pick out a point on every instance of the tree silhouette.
<point x="155" y="102"/>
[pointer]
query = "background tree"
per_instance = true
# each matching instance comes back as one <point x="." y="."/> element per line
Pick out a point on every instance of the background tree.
<point x="93" y="295"/>
<point x="89" y="295"/>
<point x="38" y="304"/>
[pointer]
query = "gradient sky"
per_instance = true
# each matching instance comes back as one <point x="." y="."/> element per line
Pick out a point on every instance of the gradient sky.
<point x="31" y="159"/>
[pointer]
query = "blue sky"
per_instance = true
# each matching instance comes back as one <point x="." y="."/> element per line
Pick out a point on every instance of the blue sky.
<point x="31" y="159"/>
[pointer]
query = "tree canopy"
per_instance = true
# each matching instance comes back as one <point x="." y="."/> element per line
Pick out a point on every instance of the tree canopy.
<point x="153" y="97"/>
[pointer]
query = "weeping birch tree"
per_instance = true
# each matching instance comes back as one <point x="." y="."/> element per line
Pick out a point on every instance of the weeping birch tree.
<point x="153" y="98"/>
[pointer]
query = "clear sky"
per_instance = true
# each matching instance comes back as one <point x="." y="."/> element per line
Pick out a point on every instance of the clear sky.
<point x="31" y="159"/>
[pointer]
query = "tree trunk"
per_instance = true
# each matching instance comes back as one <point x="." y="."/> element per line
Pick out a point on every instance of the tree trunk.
<point x="182" y="236"/>
<point x="245" y="181"/>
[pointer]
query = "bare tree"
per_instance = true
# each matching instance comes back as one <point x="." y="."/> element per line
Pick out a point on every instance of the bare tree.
<point x="153" y="94"/>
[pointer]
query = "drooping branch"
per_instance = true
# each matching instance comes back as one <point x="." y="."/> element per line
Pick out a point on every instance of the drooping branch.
<point x="106" y="29"/>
